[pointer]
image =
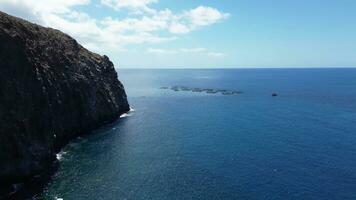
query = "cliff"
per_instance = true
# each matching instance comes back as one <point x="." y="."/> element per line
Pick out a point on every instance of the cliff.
<point x="51" y="90"/>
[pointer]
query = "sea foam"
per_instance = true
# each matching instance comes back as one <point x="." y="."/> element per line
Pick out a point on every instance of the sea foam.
<point x="59" y="155"/>
<point x="128" y="114"/>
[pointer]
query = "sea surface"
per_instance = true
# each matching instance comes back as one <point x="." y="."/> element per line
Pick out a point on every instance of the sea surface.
<point x="193" y="145"/>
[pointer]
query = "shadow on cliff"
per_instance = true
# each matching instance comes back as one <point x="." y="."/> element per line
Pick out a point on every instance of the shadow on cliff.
<point x="33" y="188"/>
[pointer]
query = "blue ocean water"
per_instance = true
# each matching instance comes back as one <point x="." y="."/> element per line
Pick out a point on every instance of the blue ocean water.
<point x="185" y="145"/>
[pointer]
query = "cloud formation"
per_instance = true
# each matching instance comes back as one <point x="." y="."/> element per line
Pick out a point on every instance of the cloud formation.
<point x="148" y="25"/>
<point x="202" y="51"/>
<point x="134" y="5"/>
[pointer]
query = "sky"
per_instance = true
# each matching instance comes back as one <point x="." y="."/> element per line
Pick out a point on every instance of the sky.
<point x="204" y="33"/>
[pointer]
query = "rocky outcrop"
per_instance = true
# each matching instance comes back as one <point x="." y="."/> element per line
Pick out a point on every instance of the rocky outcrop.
<point x="206" y="90"/>
<point x="51" y="90"/>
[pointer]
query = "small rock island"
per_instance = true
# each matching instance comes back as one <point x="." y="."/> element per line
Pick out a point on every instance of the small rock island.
<point x="206" y="90"/>
<point x="51" y="90"/>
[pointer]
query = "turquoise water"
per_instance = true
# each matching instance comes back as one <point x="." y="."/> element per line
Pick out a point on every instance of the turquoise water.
<point x="185" y="145"/>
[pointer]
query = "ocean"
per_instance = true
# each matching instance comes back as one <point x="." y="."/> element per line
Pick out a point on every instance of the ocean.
<point x="185" y="145"/>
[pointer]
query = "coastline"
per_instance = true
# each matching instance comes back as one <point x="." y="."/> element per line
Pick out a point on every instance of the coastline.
<point x="34" y="185"/>
<point x="56" y="90"/>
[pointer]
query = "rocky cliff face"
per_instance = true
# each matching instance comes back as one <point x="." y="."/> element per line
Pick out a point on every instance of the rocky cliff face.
<point x="51" y="90"/>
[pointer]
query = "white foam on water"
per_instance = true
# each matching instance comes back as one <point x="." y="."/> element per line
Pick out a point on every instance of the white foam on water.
<point x="59" y="155"/>
<point x="57" y="198"/>
<point x="125" y="115"/>
<point x="128" y="114"/>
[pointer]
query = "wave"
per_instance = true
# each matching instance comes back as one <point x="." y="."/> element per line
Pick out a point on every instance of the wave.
<point x="60" y="155"/>
<point x="128" y="114"/>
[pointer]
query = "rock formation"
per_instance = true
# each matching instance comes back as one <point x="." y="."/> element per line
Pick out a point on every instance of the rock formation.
<point x="206" y="90"/>
<point x="51" y="90"/>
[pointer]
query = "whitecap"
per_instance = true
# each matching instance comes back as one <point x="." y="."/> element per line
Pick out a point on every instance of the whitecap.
<point x="128" y="114"/>
<point x="59" y="155"/>
<point x="131" y="109"/>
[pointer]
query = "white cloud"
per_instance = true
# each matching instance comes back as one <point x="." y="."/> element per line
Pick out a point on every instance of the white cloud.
<point x="202" y="51"/>
<point x="131" y="4"/>
<point x="192" y="50"/>
<point x="145" y="24"/>
<point x="204" y="16"/>
<point x="190" y="20"/>
<point x="36" y="10"/>
<point x="178" y="28"/>
<point x="166" y="20"/>
<point x="108" y="34"/>
<point x="216" y="55"/>
<point x="160" y="51"/>
<point x="175" y="51"/>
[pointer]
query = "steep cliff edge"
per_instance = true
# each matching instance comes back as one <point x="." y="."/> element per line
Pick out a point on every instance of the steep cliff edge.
<point x="51" y="90"/>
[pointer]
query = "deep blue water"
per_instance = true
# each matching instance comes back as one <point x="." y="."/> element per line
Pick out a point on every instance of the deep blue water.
<point x="185" y="145"/>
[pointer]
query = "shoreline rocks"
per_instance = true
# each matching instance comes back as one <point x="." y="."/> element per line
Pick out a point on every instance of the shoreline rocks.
<point x="51" y="90"/>
<point x="206" y="90"/>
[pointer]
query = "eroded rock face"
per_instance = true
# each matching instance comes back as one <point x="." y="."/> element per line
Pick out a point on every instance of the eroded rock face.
<point x="51" y="90"/>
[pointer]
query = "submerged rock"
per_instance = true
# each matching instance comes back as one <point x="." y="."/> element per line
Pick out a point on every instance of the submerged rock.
<point x="197" y="90"/>
<point x="51" y="90"/>
<point x="227" y="93"/>
<point x="211" y="91"/>
<point x="206" y="90"/>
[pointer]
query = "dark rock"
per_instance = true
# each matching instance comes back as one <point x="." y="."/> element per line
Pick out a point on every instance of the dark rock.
<point x="51" y="90"/>
<point x="185" y="89"/>
<point x="175" y="88"/>
<point x="197" y="90"/>
<point x="206" y="90"/>
<point x="236" y="92"/>
<point x="227" y="93"/>
<point x="212" y="91"/>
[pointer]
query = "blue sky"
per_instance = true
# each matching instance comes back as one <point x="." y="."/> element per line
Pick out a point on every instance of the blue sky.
<point x="206" y="33"/>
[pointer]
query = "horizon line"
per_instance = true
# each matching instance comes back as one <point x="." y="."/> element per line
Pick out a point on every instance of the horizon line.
<point x="254" y="67"/>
